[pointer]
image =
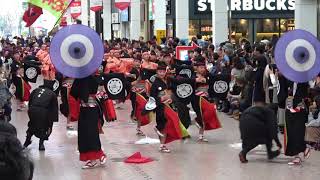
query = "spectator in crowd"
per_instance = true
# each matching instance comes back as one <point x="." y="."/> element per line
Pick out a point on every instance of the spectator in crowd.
<point x="14" y="163"/>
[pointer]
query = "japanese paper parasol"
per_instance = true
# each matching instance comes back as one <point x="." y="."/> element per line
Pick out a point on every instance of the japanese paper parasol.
<point x="76" y="51"/>
<point x="297" y="55"/>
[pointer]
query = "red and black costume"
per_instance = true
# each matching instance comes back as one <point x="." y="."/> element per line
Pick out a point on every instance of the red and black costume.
<point x="206" y="112"/>
<point x="88" y="133"/>
<point x="167" y="119"/>
<point x="23" y="88"/>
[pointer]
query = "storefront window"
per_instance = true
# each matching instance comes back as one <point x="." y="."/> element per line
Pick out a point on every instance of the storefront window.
<point x="286" y="25"/>
<point x="194" y="28"/>
<point x="239" y="29"/>
<point x="266" y="28"/>
<point x="203" y="27"/>
<point x="206" y="29"/>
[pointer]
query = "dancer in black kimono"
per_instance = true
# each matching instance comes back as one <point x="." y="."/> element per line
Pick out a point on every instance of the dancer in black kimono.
<point x="138" y="95"/>
<point x="207" y="118"/>
<point x="169" y="127"/>
<point x="89" y="144"/>
<point x="22" y="87"/>
<point x="296" y="117"/>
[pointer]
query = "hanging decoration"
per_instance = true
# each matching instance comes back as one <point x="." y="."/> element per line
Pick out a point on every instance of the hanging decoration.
<point x="75" y="9"/>
<point x="96" y="5"/>
<point x="122" y="4"/>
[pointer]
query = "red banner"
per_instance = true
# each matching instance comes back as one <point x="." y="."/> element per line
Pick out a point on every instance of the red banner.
<point x="122" y="4"/>
<point x="75" y="9"/>
<point x="95" y="5"/>
<point x="31" y="15"/>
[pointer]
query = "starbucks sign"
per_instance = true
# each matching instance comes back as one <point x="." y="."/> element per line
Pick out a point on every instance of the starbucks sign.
<point x="260" y="5"/>
<point x="203" y="6"/>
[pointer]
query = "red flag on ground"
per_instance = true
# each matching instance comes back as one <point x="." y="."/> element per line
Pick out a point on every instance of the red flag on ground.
<point x="137" y="158"/>
<point x="209" y="115"/>
<point x="31" y="15"/>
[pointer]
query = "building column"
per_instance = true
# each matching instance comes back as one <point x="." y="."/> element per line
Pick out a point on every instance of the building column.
<point x="146" y="22"/>
<point x="160" y="15"/>
<point x="219" y="21"/>
<point x="84" y="12"/>
<point x="122" y="30"/>
<point x="107" y="33"/>
<point x="182" y="19"/>
<point x="251" y="30"/>
<point x="135" y="21"/>
<point x="306" y="15"/>
<point x="93" y="20"/>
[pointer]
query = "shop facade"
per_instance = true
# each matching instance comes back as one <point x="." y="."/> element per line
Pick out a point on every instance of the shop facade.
<point x="250" y="19"/>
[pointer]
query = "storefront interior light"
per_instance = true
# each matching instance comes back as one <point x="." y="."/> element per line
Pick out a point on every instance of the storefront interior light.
<point x="243" y="21"/>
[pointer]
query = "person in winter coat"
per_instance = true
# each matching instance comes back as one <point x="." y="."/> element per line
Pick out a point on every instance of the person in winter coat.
<point x="258" y="125"/>
<point x="43" y="111"/>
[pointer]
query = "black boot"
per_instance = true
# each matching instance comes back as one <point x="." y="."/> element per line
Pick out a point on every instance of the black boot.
<point x="242" y="157"/>
<point x="41" y="145"/>
<point x="28" y="141"/>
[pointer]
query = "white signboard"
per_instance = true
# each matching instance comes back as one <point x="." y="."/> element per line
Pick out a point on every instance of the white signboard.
<point x="115" y="18"/>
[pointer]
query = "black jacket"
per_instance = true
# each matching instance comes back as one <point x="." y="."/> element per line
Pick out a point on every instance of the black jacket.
<point x="43" y="111"/>
<point x="259" y="125"/>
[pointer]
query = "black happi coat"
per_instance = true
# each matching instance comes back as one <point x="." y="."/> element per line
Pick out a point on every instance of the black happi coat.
<point x="182" y="96"/>
<point x="258" y="125"/>
<point x="102" y="67"/>
<point x="181" y="101"/>
<point x="57" y="83"/>
<point x="146" y="74"/>
<point x="157" y="87"/>
<point x="135" y="72"/>
<point x="184" y="70"/>
<point x="31" y="62"/>
<point x="82" y="88"/>
<point x="43" y="111"/>
<point x="213" y="79"/>
<point x="115" y="91"/>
